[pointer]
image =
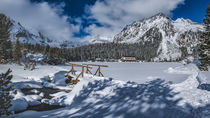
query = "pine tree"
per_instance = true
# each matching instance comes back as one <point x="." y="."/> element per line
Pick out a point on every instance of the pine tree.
<point x="46" y="49"/>
<point x="5" y="43"/>
<point x="17" y="51"/>
<point x="5" y="97"/>
<point x="205" y="43"/>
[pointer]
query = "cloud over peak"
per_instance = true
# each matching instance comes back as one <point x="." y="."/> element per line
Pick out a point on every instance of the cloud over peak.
<point x="39" y="16"/>
<point x="113" y="15"/>
<point x="109" y="16"/>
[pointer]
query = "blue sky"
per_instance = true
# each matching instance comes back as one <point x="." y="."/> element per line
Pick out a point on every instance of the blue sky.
<point x="191" y="9"/>
<point x="89" y="19"/>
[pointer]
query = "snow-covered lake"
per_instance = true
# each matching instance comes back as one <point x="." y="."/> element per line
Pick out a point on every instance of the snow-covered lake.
<point x="125" y="71"/>
<point x="140" y="72"/>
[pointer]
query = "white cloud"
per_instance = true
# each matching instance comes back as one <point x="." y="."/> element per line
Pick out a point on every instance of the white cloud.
<point x="40" y="16"/>
<point x="115" y="14"/>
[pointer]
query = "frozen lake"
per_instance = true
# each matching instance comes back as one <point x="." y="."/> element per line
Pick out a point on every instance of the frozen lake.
<point x="135" y="71"/>
<point x="139" y="72"/>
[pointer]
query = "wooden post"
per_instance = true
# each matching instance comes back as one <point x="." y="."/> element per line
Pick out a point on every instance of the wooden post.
<point x="72" y="69"/>
<point x="96" y="72"/>
<point x="83" y="71"/>
<point x="99" y="71"/>
<point x="87" y="69"/>
<point x="87" y="66"/>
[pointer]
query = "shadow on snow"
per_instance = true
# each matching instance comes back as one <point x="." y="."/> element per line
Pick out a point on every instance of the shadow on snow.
<point x="132" y="100"/>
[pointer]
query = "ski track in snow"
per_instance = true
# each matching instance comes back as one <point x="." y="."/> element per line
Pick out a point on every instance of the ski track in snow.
<point x="95" y="97"/>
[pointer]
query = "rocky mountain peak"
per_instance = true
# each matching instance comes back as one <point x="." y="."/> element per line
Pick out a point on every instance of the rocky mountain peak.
<point x="172" y="36"/>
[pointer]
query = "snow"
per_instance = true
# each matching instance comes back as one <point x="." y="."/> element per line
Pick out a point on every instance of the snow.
<point x="188" y="90"/>
<point x="185" y="25"/>
<point x="175" y="34"/>
<point x="28" y="75"/>
<point x="140" y="89"/>
<point x="33" y="36"/>
<point x="33" y="79"/>
<point x="19" y="104"/>
<point x="36" y="57"/>
<point x="141" y="71"/>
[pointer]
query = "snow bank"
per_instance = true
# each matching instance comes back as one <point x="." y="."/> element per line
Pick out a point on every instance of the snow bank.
<point x="188" y="90"/>
<point x="21" y="101"/>
<point x="113" y="98"/>
<point x="19" y="104"/>
<point x="65" y="99"/>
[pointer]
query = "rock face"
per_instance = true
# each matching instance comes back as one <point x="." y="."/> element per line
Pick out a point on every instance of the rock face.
<point x="32" y="36"/>
<point x="175" y="39"/>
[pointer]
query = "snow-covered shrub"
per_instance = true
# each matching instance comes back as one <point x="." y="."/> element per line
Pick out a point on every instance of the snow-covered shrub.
<point x="188" y="60"/>
<point x="52" y="60"/>
<point x="5" y="97"/>
<point x="30" y="60"/>
<point x="29" y="64"/>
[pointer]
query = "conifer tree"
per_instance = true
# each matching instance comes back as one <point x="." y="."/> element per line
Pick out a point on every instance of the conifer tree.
<point x="205" y="43"/>
<point x="17" y="51"/>
<point x="5" y="43"/>
<point x="47" y="49"/>
<point x="5" y="97"/>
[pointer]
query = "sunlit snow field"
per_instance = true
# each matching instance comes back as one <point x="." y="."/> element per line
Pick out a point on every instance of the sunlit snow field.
<point x="94" y="97"/>
<point x="141" y="72"/>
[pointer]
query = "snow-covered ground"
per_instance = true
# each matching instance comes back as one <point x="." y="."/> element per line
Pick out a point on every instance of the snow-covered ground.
<point x="150" y="95"/>
<point x="140" y="72"/>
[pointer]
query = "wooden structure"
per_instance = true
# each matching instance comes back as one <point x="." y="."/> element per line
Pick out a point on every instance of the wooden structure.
<point x="72" y="71"/>
<point x="85" y="69"/>
<point x="98" y="71"/>
<point x="128" y="59"/>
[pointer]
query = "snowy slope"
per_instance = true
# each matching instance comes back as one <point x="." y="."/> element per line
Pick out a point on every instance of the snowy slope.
<point x="32" y="36"/>
<point x="175" y="38"/>
<point x="99" y="39"/>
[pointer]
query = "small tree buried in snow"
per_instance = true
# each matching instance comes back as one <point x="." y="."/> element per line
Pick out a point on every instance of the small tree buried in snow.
<point x="5" y="97"/>
<point x="29" y="64"/>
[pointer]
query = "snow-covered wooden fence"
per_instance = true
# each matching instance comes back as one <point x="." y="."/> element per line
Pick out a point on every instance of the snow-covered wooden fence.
<point x="98" y="71"/>
<point x="84" y="67"/>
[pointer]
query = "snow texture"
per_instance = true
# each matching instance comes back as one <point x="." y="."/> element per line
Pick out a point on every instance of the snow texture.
<point x="95" y="97"/>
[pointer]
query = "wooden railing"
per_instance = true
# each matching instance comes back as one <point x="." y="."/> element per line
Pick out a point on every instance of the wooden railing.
<point x="84" y="67"/>
<point x="98" y="71"/>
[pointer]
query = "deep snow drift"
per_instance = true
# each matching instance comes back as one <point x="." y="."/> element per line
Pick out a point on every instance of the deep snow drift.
<point x="95" y="97"/>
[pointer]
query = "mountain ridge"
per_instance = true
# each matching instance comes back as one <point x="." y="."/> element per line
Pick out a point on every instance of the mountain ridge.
<point x="33" y="36"/>
<point x="169" y="39"/>
<point x="172" y="35"/>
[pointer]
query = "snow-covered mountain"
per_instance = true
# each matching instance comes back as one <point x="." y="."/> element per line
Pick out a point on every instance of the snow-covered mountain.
<point x="32" y="36"/>
<point x="99" y="39"/>
<point x="173" y="37"/>
<point x="170" y="39"/>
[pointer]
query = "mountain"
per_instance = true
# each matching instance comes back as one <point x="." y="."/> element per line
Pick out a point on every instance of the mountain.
<point x="32" y="36"/>
<point x="159" y="38"/>
<point x="174" y="38"/>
